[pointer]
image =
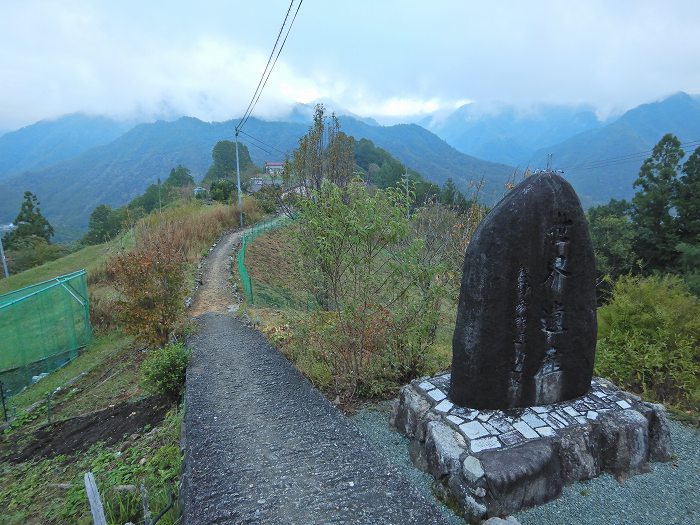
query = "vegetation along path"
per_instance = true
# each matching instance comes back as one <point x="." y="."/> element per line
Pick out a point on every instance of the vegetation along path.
<point x="263" y="446"/>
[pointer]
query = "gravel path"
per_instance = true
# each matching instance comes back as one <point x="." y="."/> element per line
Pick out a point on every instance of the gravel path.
<point x="214" y="294"/>
<point x="669" y="495"/>
<point x="263" y="446"/>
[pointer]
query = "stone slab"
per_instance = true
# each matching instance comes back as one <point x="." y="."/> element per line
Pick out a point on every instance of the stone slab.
<point x="525" y="332"/>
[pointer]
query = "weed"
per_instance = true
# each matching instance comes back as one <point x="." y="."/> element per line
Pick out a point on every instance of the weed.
<point x="164" y="369"/>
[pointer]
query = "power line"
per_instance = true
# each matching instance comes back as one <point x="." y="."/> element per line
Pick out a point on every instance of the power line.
<point x="279" y="34"/>
<point x="623" y="159"/>
<point x="256" y="96"/>
<point x="258" y="92"/>
<point x="259" y="147"/>
<point x="263" y="143"/>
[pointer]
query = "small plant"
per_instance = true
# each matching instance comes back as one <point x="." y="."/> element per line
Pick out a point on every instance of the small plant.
<point x="164" y="369"/>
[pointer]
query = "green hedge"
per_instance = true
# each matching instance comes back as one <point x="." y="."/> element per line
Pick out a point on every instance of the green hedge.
<point x="649" y="339"/>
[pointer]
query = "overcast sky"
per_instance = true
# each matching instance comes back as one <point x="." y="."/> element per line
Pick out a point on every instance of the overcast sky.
<point x="385" y="58"/>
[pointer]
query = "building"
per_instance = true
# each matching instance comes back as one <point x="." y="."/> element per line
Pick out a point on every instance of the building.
<point x="274" y="168"/>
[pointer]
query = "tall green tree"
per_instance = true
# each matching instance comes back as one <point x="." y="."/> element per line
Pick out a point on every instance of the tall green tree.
<point x="104" y="224"/>
<point x="324" y="153"/>
<point x="29" y="223"/>
<point x="613" y="238"/>
<point x="652" y="206"/>
<point x="150" y="199"/>
<point x="222" y="190"/>
<point x="224" y="163"/>
<point x="687" y="200"/>
<point x="451" y="196"/>
<point x="179" y="177"/>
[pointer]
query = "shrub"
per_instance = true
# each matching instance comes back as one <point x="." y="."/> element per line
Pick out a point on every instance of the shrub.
<point x="152" y="283"/>
<point x="151" y="278"/>
<point x="648" y="339"/>
<point x="379" y="293"/>
<point x="28" y="252"/>
<point x="267" y="198"/>
<point x="164" y="369"/>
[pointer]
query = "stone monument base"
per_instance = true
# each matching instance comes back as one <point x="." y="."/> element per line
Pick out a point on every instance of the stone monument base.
<point x="496" y="462"/>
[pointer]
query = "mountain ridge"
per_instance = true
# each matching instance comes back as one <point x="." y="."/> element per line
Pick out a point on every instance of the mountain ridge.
<point x="593" y="159"/>
<point x="47" y="142"/>
<point x="118" y="171"/>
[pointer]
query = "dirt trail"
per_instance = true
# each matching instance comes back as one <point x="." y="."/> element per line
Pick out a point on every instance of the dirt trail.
<point x="215" y="293"/>
<point x="262" y="445"/>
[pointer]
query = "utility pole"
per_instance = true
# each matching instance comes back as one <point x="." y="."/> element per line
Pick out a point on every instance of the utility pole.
<point x="238" y="181"/>
<point x="4" y="262"/>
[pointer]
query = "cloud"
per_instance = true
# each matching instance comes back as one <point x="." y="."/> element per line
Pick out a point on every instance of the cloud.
<point x="382" y="58"/>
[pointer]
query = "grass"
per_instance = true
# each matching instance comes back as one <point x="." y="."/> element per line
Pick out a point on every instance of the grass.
<point x="51" y="491"/>
<point x="91" y="258"/>
<point x="271" y="261"/>
<point x="106" y="373"/>
<point x="101" y="353"/>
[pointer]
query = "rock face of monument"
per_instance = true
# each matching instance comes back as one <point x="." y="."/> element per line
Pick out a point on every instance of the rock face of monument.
<point x="526" y="320"/>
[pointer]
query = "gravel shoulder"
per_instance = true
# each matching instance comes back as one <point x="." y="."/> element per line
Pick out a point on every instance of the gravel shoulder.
<point x="669" y="495"/>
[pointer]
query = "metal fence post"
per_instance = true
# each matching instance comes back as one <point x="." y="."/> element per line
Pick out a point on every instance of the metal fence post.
<point x="2" y="395"/>
<point x="48" y="407"/>
<point x="96" y="508"/>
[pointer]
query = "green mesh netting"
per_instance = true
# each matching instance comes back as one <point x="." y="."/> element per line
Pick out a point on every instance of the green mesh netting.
<point x="267" y="294"/>
<point x="42" y="327"/>
<point x="249" y="237"/>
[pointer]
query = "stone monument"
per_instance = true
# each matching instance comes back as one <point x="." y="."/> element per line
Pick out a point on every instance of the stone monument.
<point x="526" y="320"/>
<point x="520" y="415"/>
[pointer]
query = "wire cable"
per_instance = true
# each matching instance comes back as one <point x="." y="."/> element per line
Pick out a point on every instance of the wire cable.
<point x="622" y="159"/>
<point x="245" y="119"/>
<point x="279" y="34"/>
<point x="259" y="147"/>
<point x="263" y="143"/>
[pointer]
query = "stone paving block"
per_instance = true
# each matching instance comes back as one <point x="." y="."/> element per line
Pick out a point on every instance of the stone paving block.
<point x="512" y="438"/>
<point x="525" y="430"/>
<point x="485" y="443"/>
<point x="444" y="406"/>
<point x="437" y="395"/>
<point x="473" y="430"/>
<point x="532" y="420"/>
<point x="426" y="386"/>
<point x="545" y="431"/>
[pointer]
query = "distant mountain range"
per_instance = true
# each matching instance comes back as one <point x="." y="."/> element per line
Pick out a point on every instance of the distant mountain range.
<point x="49" y="141"/>
<point x="501" y="133"/>
<point x="77" y="162"/>
<point x="117" y="171"/>
<point x="601" y="159"/>
<point x="603" y="163"/>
